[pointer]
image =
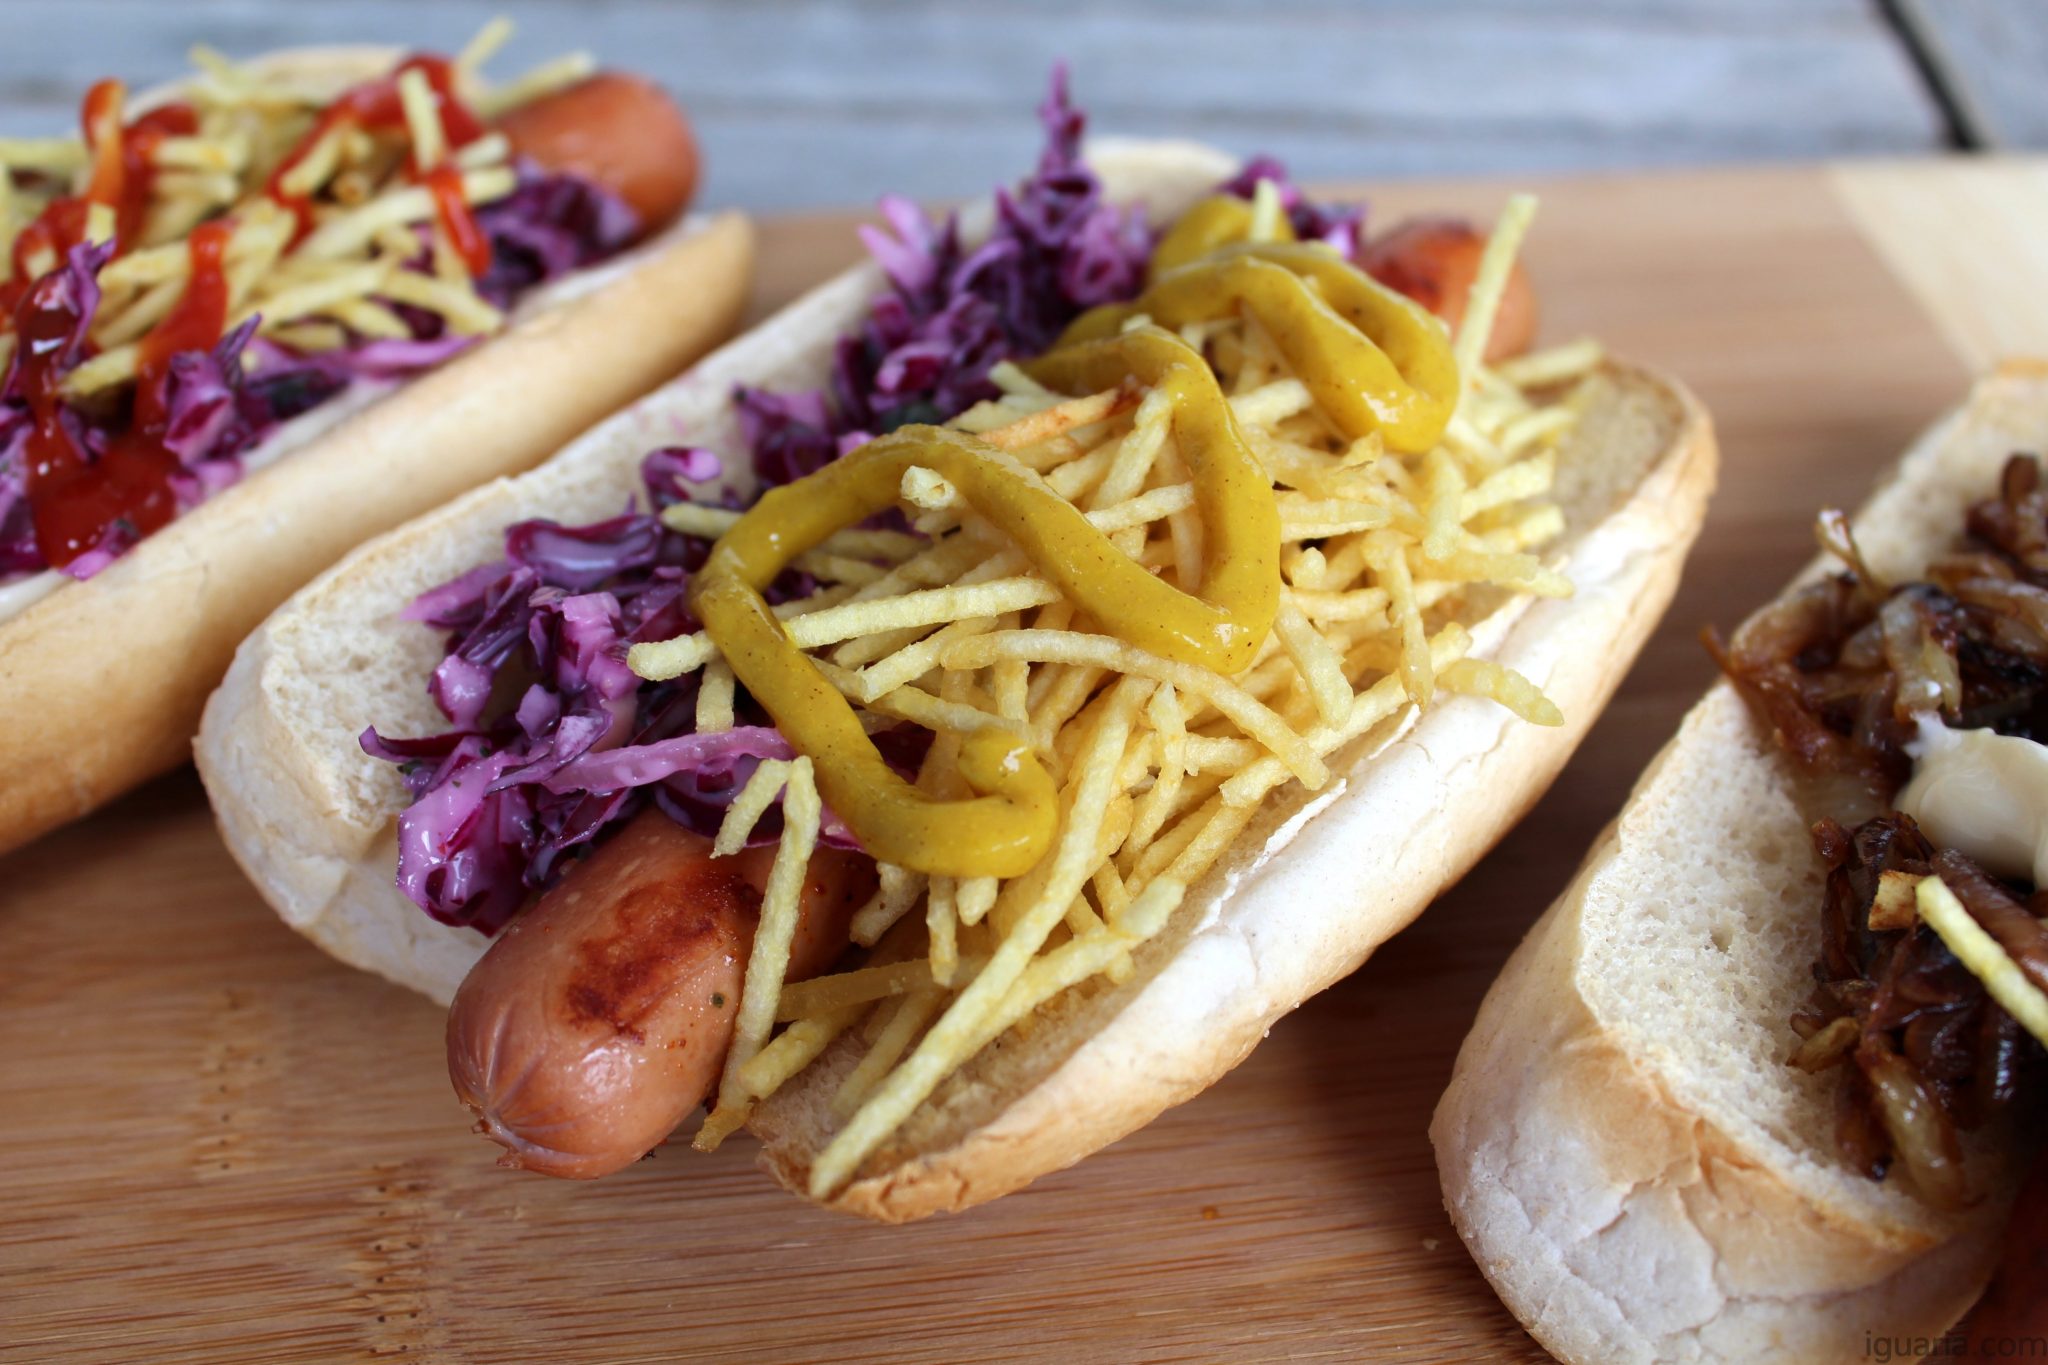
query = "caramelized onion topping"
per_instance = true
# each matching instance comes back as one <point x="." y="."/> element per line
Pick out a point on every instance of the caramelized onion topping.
<point x="1840" y="670"/>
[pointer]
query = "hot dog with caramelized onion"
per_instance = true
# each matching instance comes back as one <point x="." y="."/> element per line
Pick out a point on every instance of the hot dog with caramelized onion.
<point x="1783" y="1036"/>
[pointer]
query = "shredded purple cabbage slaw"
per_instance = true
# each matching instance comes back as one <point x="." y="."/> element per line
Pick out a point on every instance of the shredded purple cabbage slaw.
<point x="224" y="402"/>
<point x="553" y="741"/>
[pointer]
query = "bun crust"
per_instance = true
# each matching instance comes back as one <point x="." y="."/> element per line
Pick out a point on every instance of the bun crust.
<point x="311" y="818"/>
<point x="1622" y="1145"/>
<point x="109" y="675"/>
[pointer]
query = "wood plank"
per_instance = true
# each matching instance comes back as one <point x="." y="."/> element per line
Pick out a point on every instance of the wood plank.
<point x="1990" y="54"/>
<point x="223" y="1146"/>
<point x="826" y="102"/>
<point x="1966" y="238"/>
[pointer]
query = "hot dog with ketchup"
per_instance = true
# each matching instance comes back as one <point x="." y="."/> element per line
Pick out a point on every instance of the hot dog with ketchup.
<point x="377" y="264"/>
<point x="898" y="740"/>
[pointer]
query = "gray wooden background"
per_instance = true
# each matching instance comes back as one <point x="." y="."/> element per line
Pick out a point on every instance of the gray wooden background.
<point x="804" y="103"/>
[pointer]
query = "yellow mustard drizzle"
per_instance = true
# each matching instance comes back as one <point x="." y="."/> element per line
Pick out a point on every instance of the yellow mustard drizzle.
<point x="1004" y="828"/>
<point x="1222" y="626"/>
<point x="1001" y="831"/>
<point x="1220" y="220"/>
<point x="1373" y="361"/>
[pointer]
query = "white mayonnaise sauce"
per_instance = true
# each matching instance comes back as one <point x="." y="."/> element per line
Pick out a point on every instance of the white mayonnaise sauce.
<point x="1984" y="795"/>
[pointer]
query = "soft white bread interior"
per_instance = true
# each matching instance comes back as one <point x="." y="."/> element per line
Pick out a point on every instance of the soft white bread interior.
<point x="108" y="676"/>
<point x="1315" y="885"/>
<point x="1623" y="1146"/>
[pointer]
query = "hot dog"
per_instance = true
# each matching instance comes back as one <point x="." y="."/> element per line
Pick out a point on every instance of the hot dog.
<point x="1434" y="261"/>
<point x="618" y="131"/>
<point x="1085" y="702"/>
<point x="601" y="1017"/>
<point x="1786" y="1026"/>
<point x="326" y="256"/>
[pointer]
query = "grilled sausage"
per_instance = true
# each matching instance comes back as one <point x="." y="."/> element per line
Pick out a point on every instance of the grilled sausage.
<point x="622" y="132"/>
<point x="601" y="1017"/>
<point x="1434" y="260"/>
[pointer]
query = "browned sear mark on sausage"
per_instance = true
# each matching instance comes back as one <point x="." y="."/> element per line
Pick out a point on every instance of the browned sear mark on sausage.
<point x="622" y="977"/>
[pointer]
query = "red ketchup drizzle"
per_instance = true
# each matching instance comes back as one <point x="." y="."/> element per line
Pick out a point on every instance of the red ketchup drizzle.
<point x="375" y="106"/>
<point x="124" y="173"/>
<point x="74" y="502"/>
<point x="445" y="183"/>
<point x="123" y="176"/>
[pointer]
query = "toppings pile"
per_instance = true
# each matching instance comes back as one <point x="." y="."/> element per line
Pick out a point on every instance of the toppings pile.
<point x="1849" y="672"/>
<point x="554" y="740"/>
<point x="580" y="690"/>
<point x="471" y="851"/>
<point x="184" y="278"/>
<point x="951" y="314"/>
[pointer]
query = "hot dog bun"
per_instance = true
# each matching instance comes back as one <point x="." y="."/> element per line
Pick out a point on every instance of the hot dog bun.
<point x="115" y="669"/>
<point x="1623" y="1146"/>
<point x="311" y="818"/>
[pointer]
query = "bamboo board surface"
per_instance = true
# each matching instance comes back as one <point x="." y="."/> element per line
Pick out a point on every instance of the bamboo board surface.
<point x="219" y="1145"/>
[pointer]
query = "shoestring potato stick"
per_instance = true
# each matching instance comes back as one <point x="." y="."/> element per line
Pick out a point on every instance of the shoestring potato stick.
<point x="1159" y="762"/>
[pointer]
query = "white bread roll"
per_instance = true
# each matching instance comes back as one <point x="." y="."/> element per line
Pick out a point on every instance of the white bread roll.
<point x="107" y="676"/>
<point x="1623" y="1146"/>
<point x="311" y="819"/>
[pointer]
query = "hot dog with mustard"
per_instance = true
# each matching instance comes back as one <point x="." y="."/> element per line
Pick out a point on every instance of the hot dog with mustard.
<point x="1117" y="551"/>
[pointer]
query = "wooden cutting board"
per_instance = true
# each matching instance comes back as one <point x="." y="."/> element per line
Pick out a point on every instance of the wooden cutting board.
<point x="219" y="1145"/>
